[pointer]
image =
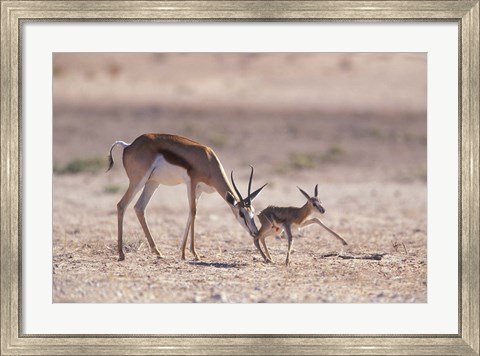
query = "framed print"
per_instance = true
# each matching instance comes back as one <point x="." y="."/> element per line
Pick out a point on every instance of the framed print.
<point x="358" y="104"/>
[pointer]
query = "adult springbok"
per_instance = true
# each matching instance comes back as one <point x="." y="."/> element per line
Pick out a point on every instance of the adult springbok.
<point x="154" y="159"/>
<point x="276" y="219"/>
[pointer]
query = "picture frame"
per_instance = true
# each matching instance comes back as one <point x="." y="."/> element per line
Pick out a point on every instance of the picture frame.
<point x="464" y="13"/>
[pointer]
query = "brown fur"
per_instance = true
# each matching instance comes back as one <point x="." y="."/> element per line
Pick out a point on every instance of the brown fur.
<point x="274" y="219"/>
<point x="281" y="215"/>
<point x="180" y="151"/>
<point x="201" y="165"/>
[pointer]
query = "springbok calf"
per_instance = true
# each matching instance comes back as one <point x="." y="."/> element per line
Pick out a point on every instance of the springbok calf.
<point x="276" y="219"/>
<point x="154" y="159"/>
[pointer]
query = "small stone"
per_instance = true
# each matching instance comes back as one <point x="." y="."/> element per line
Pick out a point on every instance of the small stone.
<point x="197" y="299"/>
<point x="220" y="297"/>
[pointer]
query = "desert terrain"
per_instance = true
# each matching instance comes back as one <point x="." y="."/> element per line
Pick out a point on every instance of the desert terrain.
<point x="355" y="124"/>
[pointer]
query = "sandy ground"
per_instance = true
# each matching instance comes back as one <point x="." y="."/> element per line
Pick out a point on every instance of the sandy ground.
<point x="355" y="124"/>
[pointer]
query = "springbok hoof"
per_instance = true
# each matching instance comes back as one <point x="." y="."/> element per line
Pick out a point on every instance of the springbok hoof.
<point x="195" y="255"/>
<point x="155" y="251"/>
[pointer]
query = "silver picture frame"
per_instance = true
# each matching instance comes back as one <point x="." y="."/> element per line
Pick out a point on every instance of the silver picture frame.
<point x="16" y="13"/>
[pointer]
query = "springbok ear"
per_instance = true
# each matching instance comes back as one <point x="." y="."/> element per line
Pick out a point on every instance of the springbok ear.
<point x="252" y="196"/>
<point x="230" y="199"/>
<point x="304" y="193"/>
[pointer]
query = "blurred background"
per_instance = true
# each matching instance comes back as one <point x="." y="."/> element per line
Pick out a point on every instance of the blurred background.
<point x="355" y="115"/>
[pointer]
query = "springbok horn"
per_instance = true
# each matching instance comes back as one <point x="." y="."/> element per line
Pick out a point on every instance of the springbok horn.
<point x="250" y="186"/>
<point x="316" y="191"/>
<point x="235" y="187"/>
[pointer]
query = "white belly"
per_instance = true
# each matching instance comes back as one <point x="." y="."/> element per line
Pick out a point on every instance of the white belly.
<point x="204" y="188"/>
<point x="167" y="173"/>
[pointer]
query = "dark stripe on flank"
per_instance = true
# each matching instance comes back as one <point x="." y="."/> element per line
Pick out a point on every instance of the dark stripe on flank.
<point x="176" y="160"/>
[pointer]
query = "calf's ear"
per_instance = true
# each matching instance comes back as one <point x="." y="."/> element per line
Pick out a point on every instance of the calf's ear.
<point x="304" y="193"/>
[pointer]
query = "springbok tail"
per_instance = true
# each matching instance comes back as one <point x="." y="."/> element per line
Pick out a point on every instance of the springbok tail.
<point x="110" y="158"/>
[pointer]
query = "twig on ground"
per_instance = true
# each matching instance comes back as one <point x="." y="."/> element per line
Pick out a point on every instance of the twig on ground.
<point x="397" y="244"/>
<point x="371" y="256"/>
